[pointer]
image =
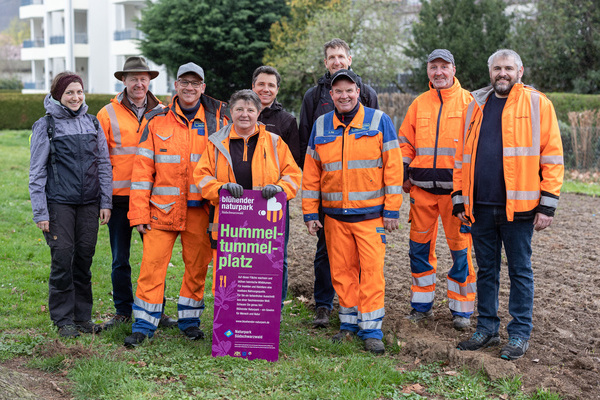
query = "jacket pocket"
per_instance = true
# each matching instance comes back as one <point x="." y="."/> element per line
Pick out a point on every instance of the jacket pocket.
<point x="161" y="213"/>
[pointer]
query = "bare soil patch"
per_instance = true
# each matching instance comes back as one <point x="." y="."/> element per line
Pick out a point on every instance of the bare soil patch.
<point x="564" y="353"/>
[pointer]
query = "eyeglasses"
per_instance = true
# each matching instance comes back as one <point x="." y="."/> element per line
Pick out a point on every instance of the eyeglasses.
<point x="195" y="84"/>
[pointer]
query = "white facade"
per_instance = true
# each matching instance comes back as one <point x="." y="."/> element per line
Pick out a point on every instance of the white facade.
<point x="90" y="37"/>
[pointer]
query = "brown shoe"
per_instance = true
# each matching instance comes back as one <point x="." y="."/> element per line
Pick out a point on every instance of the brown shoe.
<point x="343" y="335"/>
<point x="375" y="346"/>
<point x="322" y="318"/>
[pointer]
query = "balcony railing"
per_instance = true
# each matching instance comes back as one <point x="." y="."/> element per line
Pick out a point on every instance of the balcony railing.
<point x="57" y="39"/>
<point x="27" y="44"/>
<point x="128" y="34"/>
<point x="37" y="85"/>
<point x="31" y="2"/>
<point x="81" y="38"/>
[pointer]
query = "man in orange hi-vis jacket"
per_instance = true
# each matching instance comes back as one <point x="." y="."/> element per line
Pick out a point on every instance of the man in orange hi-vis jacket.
<point x="353" y="166"/>
<point x="428" y="139"/>
<point x="165" y="203"/>
<point x="507" y="178"/>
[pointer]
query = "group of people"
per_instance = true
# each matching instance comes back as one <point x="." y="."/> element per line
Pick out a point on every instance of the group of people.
<point x="161" y="168"/>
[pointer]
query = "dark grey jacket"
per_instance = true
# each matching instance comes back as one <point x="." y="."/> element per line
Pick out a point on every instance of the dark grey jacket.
<point x="82" y="162"/>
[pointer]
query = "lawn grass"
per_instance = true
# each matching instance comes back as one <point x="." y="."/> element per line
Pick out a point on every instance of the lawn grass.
<point x="171" y="367"/>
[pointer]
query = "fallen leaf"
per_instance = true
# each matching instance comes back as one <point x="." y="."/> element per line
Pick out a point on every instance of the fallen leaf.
<point x="315" y="348"/>
<point x="55" y="387"/>
<point x="504" y="396"/>
<point x="451" y="373"/>
<point x="285" y="303"/>
<point x="416" y="388"/>
<point x="536" y="360"/>
<point x="417" y="360"/>
<point x="303" y="299"/>
<point x="43" y="308"/>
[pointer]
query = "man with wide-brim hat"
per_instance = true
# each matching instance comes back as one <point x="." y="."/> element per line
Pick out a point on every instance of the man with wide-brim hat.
<point x="123" y="123"/>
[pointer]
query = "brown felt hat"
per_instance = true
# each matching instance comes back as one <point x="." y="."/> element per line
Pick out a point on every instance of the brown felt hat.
<point x="135" y="64"/>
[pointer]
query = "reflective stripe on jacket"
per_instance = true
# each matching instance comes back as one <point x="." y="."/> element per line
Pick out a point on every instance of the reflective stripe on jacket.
<point x="272" y="163"/>
<point x="123" y="132"/>
<point x="162" y="184"/>
<point x="532" y="153"/>
<point x="355" y="169"/>
<point x="429" y="137"/>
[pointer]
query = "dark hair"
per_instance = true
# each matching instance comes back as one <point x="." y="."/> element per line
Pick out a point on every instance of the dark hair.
<point x="334" y="44"/>
<point x="245" y="95"/>
<point x="265" y="69"/>
<point x="61" y="81"/>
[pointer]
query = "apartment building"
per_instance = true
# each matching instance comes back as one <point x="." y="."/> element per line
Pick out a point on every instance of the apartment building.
<point x="90" y="37"/>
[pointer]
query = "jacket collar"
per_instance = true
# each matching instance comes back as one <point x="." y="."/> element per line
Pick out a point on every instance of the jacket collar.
<point x="481" y="95"/>
<point x="357" y="121"/>
<point x="445" y="93"/>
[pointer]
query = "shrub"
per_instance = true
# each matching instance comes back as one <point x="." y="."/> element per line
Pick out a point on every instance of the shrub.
<point x="20" y="111"/>
<point x="568" y="102"/>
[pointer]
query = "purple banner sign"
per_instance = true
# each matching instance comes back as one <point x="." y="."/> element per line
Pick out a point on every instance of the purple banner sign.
<point x="249" y="272"/>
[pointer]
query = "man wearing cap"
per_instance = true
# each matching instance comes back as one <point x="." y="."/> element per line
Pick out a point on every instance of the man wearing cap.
<point x="165" y="203"/>
<point x="429" y="138"/>
<point x="123" y="122"/>
<point x="316" y="102"/>
<point x="353" y="166"/>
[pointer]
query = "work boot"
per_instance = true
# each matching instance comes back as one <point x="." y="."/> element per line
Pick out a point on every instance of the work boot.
<point x="68" y="331"/>
<point x="193" y="333"/>
<point x="416" y="316"/>
<point x="460" y="323"/>
<point x="88" y="327"/>
<point x="479" y="341"/>
<point x="118" y="319"/>
<point x="515" y="348"/>
<point x="322" y="318"/>
<point x="375" y="346"/>
<point x="135" y="339"/>
<point x="166" y="321"/>
<point x="343" y="334"/>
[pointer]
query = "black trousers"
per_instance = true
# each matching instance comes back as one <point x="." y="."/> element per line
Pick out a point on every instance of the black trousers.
<point x="72" y="240"/>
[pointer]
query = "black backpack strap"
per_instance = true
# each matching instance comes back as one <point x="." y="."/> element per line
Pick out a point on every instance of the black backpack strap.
<point x="96" y="123"/>
<point x="50" y="128"/>
<point x="316" y="99"/>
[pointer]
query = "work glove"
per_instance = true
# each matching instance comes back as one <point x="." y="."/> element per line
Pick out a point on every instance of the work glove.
<point x="235" y="189"/>
<point x="270" y="191"/>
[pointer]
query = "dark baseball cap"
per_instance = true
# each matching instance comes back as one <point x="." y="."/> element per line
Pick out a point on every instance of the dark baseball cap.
<point x="344" y="74"/>
<point x="441" y="53"/>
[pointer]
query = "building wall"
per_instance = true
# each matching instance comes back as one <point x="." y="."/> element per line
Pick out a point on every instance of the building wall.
<point x="93" y="41"/>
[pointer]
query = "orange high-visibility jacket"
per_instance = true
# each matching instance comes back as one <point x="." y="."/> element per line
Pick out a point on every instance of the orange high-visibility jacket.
<point x="355" y="169"/>
<point x="272" y="164"/>
<point x="532" y="153"/>
<point x="429" y="137"/>
<point x="123" y="132"/>
<point x="162" y="184"/>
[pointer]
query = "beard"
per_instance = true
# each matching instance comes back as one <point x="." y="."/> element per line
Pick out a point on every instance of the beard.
<point x="502" y="88"/>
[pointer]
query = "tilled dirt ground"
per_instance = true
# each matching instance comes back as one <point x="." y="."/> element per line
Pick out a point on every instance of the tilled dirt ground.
<point x="564" y="353"/>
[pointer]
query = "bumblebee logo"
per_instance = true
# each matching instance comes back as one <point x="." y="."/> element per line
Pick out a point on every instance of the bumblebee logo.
<point x="274" y="210"/>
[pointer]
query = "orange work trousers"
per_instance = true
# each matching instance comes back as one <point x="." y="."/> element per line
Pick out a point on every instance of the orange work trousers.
<point x="196" y="254"/>
<point x="425" y="209"/>
<point x="356" y="258"/>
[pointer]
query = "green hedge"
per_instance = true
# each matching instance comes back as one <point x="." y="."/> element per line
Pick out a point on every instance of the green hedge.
<point x="20" y="111"/>
<point x="567" y="102"/>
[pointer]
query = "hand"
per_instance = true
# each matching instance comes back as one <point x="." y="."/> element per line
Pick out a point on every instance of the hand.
<point x="235" y="189"/>
<point x="44" y="226"/>
<point x="270" y="191"/>
<point x="541" y="221"/>
<point x="143" y="228"/>
<point x="104" y="216"/>
<point x="391" y="224"/>
<point x="313" y="226"/>
<point x="407" y="185"/>
<point x="462" y="216"/>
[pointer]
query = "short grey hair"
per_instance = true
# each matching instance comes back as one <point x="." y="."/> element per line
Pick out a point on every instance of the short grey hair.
<point x="245" y="95"/>
<point x="503" y="53"/>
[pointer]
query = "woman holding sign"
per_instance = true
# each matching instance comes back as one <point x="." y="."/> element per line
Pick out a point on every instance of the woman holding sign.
<point x="245" y="156"/>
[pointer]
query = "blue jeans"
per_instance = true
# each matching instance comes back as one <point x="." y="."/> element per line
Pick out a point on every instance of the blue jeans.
<point x="490" y="231"/>
<point x="323" y="290"/>
<point x="120" y="243"/>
